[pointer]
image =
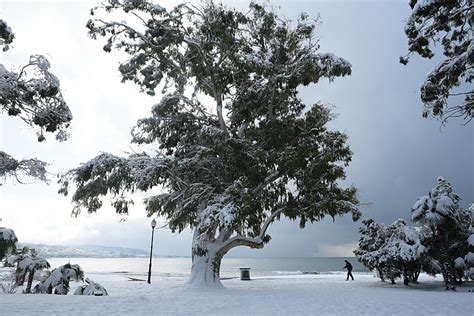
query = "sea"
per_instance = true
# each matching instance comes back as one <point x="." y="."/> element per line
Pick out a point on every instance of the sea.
<point x="137" y="268"/>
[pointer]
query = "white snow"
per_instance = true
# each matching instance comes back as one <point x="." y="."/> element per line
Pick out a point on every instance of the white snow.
<point x="321" y="294"/>
<point x="8" y="234"/>
<point x="470" y="240"/>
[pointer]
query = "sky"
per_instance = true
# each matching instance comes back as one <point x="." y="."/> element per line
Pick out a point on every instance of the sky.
<point x="397" y="155"/>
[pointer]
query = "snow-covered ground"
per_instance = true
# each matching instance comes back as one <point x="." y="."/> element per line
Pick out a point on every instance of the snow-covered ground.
<point x="322" y="294"/>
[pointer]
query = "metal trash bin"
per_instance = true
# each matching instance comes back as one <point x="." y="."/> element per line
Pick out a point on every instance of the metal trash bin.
<point x="245" y="274"/>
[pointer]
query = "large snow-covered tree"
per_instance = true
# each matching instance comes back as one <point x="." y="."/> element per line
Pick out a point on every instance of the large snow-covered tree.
<point x="449" y="23"/>
<point x="235" y="146"/>
<point x="33" y="95"/>
<point x="448" y="227"/>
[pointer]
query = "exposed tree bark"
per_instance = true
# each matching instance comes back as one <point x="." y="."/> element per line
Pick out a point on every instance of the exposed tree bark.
<point x="30" y="281"/>
<point x="405" y="276"/>
<point x="206" y="263"/>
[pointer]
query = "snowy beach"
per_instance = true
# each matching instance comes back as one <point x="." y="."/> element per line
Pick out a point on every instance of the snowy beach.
<point x="321" y="294"/>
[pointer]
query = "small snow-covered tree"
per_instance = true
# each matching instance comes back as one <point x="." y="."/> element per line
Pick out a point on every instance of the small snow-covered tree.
<point x="449" y="23"/>
<point x="372" y="239"/>
<point x="58" y="280"/>
<point x="28" y="263"/>
<point x="236" y="148"/>
<point x="33" y="95"/>
<point x="404" y="247"/>
<point x="448" y="227"/>
<point x="8" y="242"/>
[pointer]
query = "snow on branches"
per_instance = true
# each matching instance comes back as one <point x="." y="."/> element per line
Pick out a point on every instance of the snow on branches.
<point x="91" y="288"/>
<point x="33" y="168"/>
<point x="36" y="99"/>
<point x="440" y="204"/>
<point x="392" y="251"/>
<point x="449" y="23"/>
<point x="32" y="94"/>
<point x="441" y="243"/>
<point x="8" y="242"/>
<point x="6" y="35"/>
<point x="232" y="163"/>
<point x="58" y="280"/>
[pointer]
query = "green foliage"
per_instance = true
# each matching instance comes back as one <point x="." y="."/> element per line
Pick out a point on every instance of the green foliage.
<point x="450" y="24"/>
<point x="253" y="152"/>
<point x="33" y="95"/>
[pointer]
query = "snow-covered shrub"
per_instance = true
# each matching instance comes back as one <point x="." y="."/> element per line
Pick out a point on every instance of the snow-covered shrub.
<point x="8" y="239"/>
<point x="58" y="280"/>
<point x="392" y="251"/>
<point x="447" y="228"/>
<point x="91" y="288"/>
<point x="27" y="264"/>
<point x="373" y="237"/>
<point x="8" y="282"/>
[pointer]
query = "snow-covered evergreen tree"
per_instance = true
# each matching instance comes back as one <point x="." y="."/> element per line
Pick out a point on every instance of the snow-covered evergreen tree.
<point x="448" y="227"/>
<point x="34" y="96"/>
<point x="405" y="249"/>
<point x="8" y="242"/>
<point x="449" y="23"/>
<point x="373" y="238"/>
<point x="58" y="280"/>
<point x="236" y="148"/>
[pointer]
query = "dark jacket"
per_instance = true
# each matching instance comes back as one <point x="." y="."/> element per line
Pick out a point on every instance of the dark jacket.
<point x="348" y="266"/>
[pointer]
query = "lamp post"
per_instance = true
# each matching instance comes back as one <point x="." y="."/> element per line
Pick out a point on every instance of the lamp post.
<point x="153" y="225"/>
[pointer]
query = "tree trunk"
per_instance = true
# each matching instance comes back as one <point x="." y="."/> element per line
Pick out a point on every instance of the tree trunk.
<point x="405" y="275"/>
<point x="208" y="251"/>
<point x="205" y="270"/>
<point x="382" y="278"/>
<point x="30" y="281"/>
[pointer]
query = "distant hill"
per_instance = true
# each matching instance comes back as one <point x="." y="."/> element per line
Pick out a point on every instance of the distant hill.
<point x="86" y="251"/>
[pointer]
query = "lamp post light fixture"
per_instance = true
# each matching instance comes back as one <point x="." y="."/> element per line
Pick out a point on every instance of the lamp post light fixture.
<point x="153" y="225"/>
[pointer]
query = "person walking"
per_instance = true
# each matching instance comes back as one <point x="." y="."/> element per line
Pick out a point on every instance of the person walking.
<point x="348" y="266"/>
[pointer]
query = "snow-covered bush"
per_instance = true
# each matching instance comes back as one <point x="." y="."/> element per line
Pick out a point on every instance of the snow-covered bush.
<point x="393" y="251"/>
<point x="33" y="95"/>
<point x="8" y="240"/>
<point x="236" y="148"/>
<point x="58" y="280"/>
<point x="27" y="264"/>
<point x="91" y="288"/>
<point x="373" y="238"/>
<point x="447" y="227"/>
<point x="8" y="283"/>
